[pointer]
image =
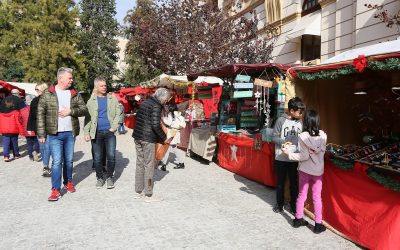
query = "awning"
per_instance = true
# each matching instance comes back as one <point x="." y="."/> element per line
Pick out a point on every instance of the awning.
<point x="376" y="49"/>
<point x="231" y="70"/>
<point x="6" y="87"/>
<point x="177" y="82"/>
<point x="308" y="25"/>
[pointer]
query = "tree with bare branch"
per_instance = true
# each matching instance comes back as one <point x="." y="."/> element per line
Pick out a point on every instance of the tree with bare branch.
<point x="182" y="36"/>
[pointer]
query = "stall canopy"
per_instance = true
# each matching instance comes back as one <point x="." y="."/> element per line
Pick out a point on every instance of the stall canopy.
<point x="6" y="87"/>
<point x="231" y="70"/>
<point x="174" y="82"/>
<point x="308" y="25"/>
<point x="134" y="91"/>
<point x="376" y="49"/>
<point x="383" y="56"/>
<point x="28" y="87"/>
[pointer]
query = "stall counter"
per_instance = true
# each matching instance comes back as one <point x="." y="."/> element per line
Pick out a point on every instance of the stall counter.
<point x="202" y="142"/>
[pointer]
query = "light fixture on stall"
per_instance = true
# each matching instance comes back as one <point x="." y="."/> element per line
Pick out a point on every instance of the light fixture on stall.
<point x="360" y="88"/>
<point x="396" y="80"/>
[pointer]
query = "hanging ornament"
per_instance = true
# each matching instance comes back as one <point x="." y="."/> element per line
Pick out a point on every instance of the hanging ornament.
<point x="267" y="109"/>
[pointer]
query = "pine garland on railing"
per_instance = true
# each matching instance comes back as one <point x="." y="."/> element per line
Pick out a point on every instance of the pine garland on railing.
<point x="383" y="180"/>
<point x="342" y="164"/>
<point x="387" y="64"/>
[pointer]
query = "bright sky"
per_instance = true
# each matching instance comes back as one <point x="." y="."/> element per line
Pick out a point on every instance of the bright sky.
<point x="122" y="7"/>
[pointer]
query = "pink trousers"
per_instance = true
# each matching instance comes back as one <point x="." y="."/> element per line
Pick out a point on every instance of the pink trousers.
<point x="306" y="180"/>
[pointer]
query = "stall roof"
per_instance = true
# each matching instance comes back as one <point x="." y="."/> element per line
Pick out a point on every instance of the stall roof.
<point x="134" y="91"/>
<point x="28" y="87"/>
<point x="383" y="56"/>
<point x="231" y="70"/>
<point x="10" y="87"/>
<point x="376" y="49"/>
<point x="173" y="82"/>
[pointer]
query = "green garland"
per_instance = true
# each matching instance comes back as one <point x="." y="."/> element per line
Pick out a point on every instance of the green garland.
<point x="331" y="74"/>
<point x="383" y="180"/>
<point x="387" y="64"/>
<point x="342" y="164"/>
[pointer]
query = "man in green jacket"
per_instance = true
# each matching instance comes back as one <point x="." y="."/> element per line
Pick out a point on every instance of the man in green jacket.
<point x="57" y="116"/>
<point x="101" y="122"/>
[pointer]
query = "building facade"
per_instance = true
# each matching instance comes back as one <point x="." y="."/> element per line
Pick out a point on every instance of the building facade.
<point x="310" y="31"/>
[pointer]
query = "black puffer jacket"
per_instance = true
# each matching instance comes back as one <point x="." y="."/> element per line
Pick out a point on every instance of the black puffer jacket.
<point x="148" y="122"/>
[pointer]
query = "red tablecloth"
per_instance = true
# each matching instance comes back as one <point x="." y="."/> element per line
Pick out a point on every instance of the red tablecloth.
<point x="360" y="208"/>
<point x="130" y="121"/>
<point x="237" y="154"/>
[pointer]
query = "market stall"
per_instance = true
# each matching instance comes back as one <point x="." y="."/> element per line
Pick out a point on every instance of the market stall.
<point x="131" y="99"/>
<point x="5" y="89"/>
<point x="198" y="100"/>
<point x="251" y="98"/>
<point x="357" y="96"/>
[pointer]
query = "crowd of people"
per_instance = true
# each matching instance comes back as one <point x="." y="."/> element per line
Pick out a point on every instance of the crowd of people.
<point x="50" y="124"/>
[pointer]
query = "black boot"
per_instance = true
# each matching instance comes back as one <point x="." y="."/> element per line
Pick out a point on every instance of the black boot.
<point x="319" y="228"/>
<point x="180" y="166"/>
<point x="299" y="222"/>
<point x="163" y="167"/>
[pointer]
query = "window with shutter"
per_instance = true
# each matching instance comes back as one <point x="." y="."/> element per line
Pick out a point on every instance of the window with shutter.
<point x="273" y="10"/>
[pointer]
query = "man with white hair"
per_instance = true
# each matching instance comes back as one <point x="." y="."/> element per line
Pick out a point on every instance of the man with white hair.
<point x="57" y="116"/>
<point x="147" y="133"/>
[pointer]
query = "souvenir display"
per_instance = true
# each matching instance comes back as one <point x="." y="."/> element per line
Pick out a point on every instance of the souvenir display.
<point x="383" y="153"/>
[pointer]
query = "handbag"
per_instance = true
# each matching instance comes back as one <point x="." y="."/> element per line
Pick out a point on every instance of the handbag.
<point x="161" y="149"/>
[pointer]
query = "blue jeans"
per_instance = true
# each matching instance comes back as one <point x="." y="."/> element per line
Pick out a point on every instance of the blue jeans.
<point x="104" y="139"/>
<point x="62" y="147"/>
<point x="10" y="142"/>
<point x="45" y="152"/>
<point x="121" y="128"/>
<point x="33" y="145"/>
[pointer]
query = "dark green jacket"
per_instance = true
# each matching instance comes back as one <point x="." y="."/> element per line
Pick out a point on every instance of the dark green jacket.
<point x="47" y="113"/>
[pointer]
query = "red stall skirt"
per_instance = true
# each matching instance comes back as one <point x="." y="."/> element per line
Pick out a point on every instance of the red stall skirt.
<point x="237" y="154"/>
<point x="361" y="208"/>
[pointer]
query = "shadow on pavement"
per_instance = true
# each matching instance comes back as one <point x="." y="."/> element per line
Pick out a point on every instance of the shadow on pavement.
<point x="120" y="164"/>
<point x="265" y="193"/>
<point x="159" y="175"/>
<point x="82" y="171"/>
<point x="78" y="155"/>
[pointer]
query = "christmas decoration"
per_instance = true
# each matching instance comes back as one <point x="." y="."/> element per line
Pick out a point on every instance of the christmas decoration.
<point x="376" y="65"/>
<point x="360" y="63"/>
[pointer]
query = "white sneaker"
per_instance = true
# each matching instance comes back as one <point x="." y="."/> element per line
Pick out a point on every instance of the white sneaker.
<point x="150" y="199"/>
<point x="138" y="195"/>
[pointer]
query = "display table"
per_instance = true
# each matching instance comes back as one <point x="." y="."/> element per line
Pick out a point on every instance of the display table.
<point x="130" y="121"/>
<point x="237" y="154"/>
<point x="360" y="208"/>
<point x="202" y="142"/>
